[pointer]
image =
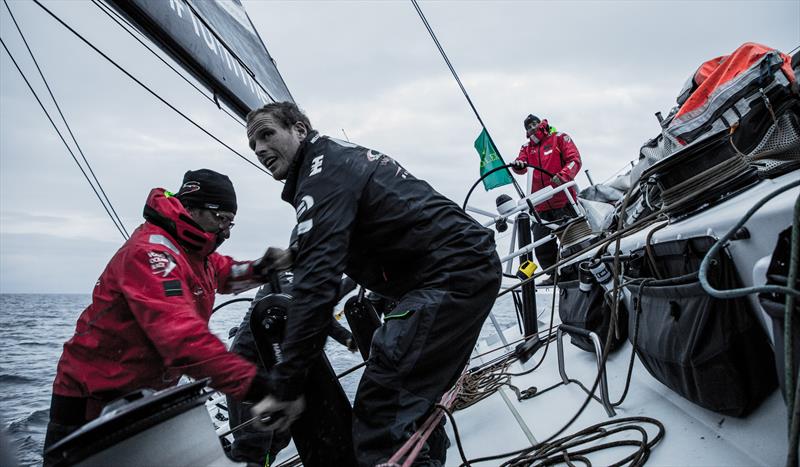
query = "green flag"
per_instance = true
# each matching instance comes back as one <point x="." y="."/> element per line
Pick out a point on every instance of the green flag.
<point x="489" y="161"/>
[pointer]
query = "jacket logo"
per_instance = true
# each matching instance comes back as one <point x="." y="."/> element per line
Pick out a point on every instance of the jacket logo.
<point x="161" y="263"/>
<point x="305" y="226"/>
<point x="548" y="152"/>
<point x="316" y="165"/>
<point x="306" y="203"/>
<point x="372" y="156"/>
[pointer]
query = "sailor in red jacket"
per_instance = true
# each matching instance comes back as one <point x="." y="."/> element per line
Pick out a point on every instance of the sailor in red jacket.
<point x="556" y="153"/>
<point x="148" y="321"/>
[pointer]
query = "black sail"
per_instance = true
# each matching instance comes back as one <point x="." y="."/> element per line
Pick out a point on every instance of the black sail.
<point x="217" y="43"/>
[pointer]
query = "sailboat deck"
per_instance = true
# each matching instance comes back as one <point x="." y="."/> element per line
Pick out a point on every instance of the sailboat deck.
<point x="693" y="435"/>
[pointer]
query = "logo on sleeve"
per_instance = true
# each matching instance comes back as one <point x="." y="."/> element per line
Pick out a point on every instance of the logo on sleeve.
<point x="305" y="226"/>
<point x="372" y="156"/>
<point x="306" y="203"/>
<point x="161" y="263"/>
<point x="316" y="165"/>
<point x="567" y="138"/>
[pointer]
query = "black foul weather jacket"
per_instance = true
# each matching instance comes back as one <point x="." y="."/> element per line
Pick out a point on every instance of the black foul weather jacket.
<point x="361" y="213"/>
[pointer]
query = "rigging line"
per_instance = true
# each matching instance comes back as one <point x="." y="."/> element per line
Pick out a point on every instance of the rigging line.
<point x="60" y="135"/>
<point x="463" y="90"/>
<point x="117" y="18"/>
<point x="148" y="89"/>
<point x="115" y="217"/>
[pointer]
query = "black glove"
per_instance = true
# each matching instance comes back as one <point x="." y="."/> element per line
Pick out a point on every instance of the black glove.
<point x="277" y="415"/>
<point x="519" y="165"/>
<point x="275" y="259"/>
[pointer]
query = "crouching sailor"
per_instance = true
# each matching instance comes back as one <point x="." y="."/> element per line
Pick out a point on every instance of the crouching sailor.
<point x="148" y="320"/>
<point x="361" y="213"/>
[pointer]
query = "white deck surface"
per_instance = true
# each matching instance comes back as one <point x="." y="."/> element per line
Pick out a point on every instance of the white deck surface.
<point x="694" y="436"/>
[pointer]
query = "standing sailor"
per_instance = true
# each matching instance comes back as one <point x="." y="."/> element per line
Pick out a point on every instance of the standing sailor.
<point x="361" y="213"/>
<point x="555" y="152"/>
<point x="148" y="321"/>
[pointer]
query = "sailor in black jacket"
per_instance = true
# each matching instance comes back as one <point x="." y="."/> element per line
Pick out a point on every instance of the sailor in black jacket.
<point x="361" y="213"/>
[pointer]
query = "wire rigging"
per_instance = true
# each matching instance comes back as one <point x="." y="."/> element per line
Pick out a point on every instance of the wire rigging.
<point x="59" y="133"/>
<point x="104" y="199"/>
<point x="147" y="88"/>
<point x="463" y="90"/>
<point x="126" y="26"/>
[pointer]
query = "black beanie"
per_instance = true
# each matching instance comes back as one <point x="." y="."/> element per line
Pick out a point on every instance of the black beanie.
<point x="531" y="118"/>
<point x="206" y="189"/>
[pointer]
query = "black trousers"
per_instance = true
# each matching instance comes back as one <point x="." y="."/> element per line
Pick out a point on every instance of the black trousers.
<point x="547" y="253"/>
<point x="67" y="414"/>
<point x="415" y="357"/>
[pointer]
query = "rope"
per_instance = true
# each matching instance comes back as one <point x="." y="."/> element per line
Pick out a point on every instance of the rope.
<point x="104" y="199"/>
<point x="563" y="450"/>
<point x="63" y="140"/>
<point x="720" y="174"/>
<point x="714" y="250"/>
<point x="649" y="249"/>
<point x="412" y="447"/>
<point x="235" y="300"/>
<point x="148" y="89"/>
<point x="575" y="231"/>
<point x="480" y="384"/>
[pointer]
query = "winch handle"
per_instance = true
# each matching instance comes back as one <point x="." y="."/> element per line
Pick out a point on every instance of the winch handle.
<point x="274" y="282"/>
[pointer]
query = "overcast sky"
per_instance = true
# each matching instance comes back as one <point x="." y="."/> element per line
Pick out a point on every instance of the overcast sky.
<point x="597" y="70"/>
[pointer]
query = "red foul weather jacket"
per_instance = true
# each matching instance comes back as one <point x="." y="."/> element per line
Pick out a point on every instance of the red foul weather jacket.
<point x="557" y="154"/>
<point x="148" y="321"/>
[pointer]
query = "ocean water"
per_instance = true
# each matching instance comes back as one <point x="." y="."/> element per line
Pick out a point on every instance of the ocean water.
<point x="33" y="328"/>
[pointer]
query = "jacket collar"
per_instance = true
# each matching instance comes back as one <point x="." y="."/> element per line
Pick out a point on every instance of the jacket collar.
<point x="167" y="212"/>
<point x="290" y="188"/>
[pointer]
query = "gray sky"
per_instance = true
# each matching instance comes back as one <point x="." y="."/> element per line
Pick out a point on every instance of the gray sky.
<point x="597" y="70"/>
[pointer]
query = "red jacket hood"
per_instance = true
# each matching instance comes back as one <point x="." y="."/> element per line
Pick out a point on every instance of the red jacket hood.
<point x="167" y="212"/>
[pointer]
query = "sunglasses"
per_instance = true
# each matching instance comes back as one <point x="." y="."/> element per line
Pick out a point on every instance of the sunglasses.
<point x="225" y="221"/>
